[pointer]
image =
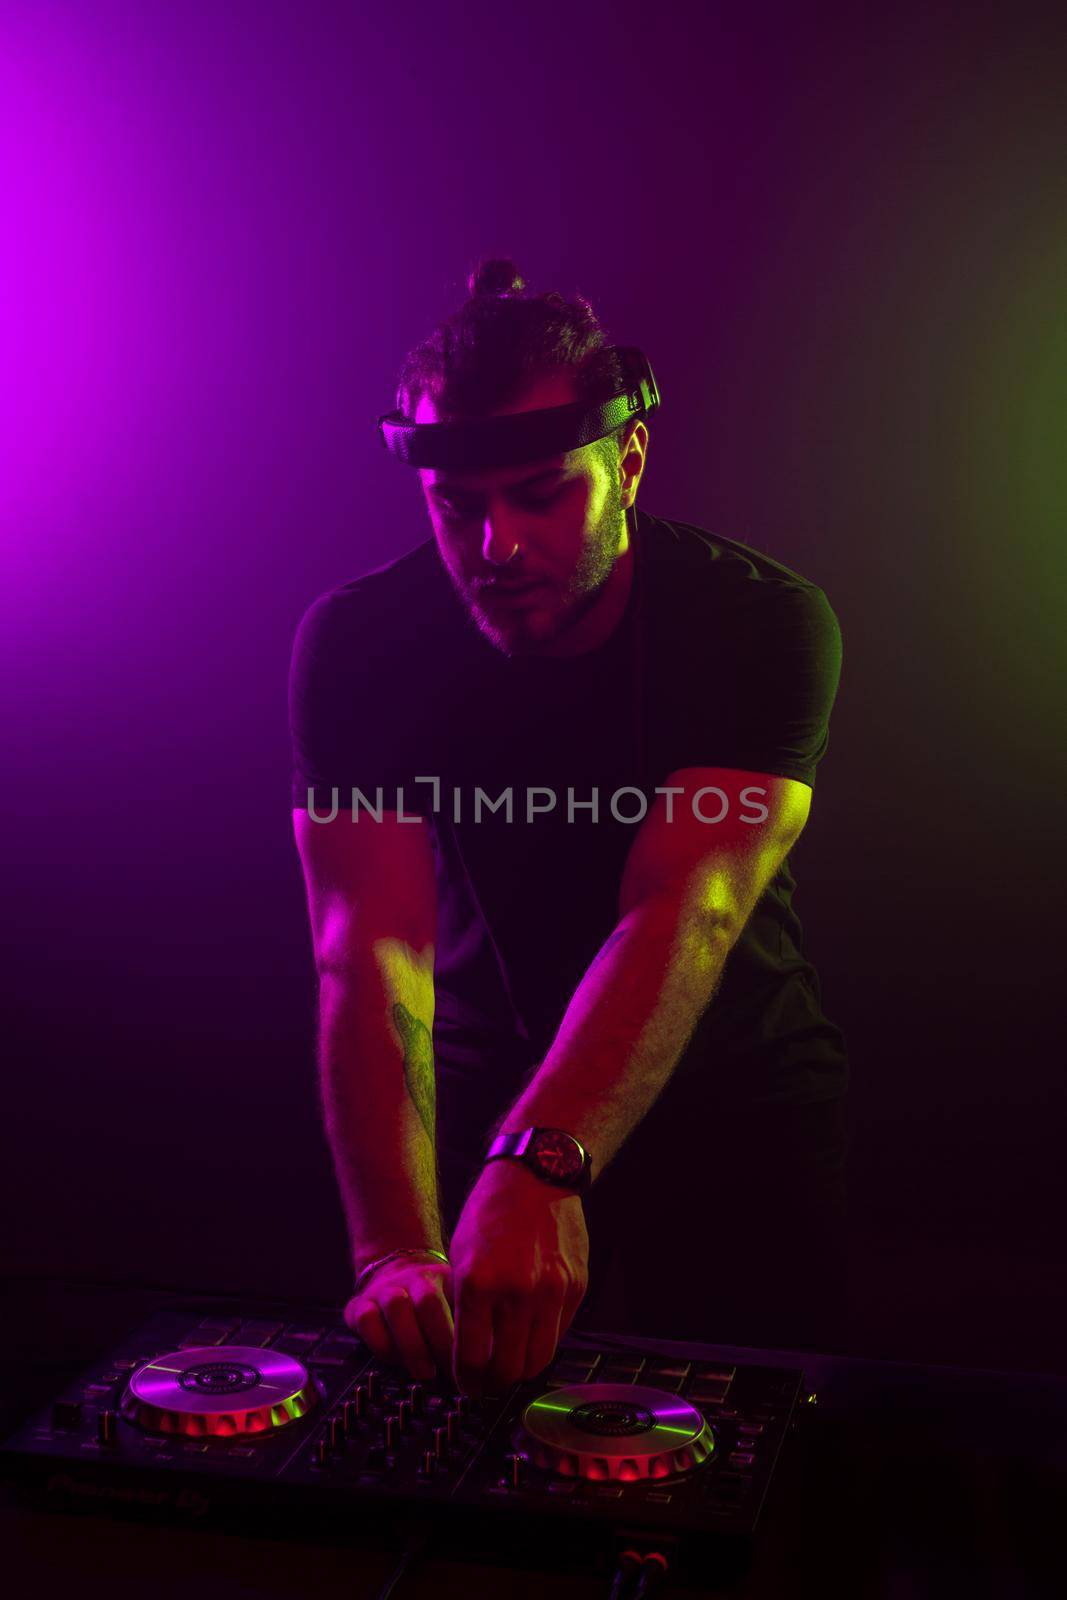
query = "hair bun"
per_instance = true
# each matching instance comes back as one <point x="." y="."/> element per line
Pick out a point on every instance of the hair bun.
<point x="496" y="277"/>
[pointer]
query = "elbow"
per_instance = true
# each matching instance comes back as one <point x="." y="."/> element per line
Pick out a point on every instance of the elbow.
<point x="691" y="909"/>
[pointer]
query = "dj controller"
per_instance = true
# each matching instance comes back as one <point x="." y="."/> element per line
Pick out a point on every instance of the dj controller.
<point x="197" y="1415"/>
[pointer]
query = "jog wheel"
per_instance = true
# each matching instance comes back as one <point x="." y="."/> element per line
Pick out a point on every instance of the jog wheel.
<point x="615" y="1431"/>
<point x="218" y="1391"/>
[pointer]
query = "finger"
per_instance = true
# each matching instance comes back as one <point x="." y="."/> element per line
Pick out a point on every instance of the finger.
<point x="544" y="1336"/>
<point x="511" y="1334"/>
<point x="365" y="1318"/>
<point x="474" y="1337"/>
<point x="572" y="1300"/>
<point x="435" y="1320"/>
<point x="404" y="1326"/>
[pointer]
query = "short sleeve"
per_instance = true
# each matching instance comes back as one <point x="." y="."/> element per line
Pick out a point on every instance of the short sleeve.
<point x="347" y="721"/>
<point x="767" y="685"/>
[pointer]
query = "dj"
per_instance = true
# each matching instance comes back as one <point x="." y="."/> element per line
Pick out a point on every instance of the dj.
<point x="571" y="1051"/>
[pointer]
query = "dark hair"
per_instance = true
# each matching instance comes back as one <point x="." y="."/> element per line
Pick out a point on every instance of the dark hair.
<point x="501" y="340"/>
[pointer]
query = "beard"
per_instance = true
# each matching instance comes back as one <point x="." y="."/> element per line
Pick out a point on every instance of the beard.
<point x="524" y="630"/>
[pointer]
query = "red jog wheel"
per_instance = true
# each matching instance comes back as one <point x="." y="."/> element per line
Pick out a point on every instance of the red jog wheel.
<point x="218" y="1391"/>
<point x="619" y="1432"/>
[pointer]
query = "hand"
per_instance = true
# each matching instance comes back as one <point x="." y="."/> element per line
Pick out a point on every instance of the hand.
<point x="404" y="1315"/>
<point x="520" y="1270"/>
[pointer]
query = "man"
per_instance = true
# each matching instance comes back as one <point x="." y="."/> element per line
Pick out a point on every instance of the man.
<point x="629" y="978"/>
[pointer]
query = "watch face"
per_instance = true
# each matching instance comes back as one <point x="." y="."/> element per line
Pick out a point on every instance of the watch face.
<point x="559" y="1155"/>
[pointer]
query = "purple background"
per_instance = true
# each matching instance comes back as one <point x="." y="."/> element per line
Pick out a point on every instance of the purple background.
<point x="841" y="242"/>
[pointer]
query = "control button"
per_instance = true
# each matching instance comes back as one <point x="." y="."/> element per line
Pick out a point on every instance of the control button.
<point x="559" y="1486"/>
<point x="334" y="1352"/>
<point x="669" y="1375"/>
<point x="574" y="1369"/>
<point x="609" y="1491"/>
<point x="565" y="1377"/>
<point x="516" y="1469"/>
<point x="240" y="1450"/>
<point x="66" y="1414"/>
<point x="298" y="1344"/>
<point x="708" y="1389"/>
<point x="740" y="1458"/>
<point x="659" y="1495"/>
<point x="215" y="1330"/>
<point x="258" y="1333"/>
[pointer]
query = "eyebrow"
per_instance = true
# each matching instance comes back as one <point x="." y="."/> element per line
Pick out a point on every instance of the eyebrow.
<point x="454" y="486"/>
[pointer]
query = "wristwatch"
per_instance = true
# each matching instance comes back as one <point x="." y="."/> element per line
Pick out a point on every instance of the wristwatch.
<point x="552" y="1154"/>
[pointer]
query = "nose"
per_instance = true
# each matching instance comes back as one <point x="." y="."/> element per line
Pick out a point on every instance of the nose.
<point x="498" y="546"/>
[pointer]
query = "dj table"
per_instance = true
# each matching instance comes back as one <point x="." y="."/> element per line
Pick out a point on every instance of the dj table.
<point x="159" y="1442"/>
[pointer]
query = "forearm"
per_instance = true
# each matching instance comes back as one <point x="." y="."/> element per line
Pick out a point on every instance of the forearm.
<point x="625" y="1029"/>
<point x="376" y="1074"/>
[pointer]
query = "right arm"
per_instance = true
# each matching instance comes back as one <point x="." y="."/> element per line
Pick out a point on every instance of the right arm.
<point x="373" y="910"/>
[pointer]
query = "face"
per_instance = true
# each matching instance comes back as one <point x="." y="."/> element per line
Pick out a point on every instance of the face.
<point x="529" y="548"/>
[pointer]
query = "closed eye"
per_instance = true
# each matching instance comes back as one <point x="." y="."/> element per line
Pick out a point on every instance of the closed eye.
<point x="469" y="509"/>
<point x="528" y="502"/>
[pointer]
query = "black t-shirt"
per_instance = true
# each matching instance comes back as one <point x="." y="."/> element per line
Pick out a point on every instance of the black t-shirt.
<point x="724" y="658"/>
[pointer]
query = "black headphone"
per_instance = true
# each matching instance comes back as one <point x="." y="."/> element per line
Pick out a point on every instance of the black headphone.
<point x="502" y="441"/>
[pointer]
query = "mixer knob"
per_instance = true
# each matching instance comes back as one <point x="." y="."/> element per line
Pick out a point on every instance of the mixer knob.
<point x="353" y="1410"/>
<point x="335" y="1428"/>
<point x="374" y="1387"/>
<point x="417" y="1397"/>
<point x="403" y="1411"/>
<point x="427" y="1463"/>
<point x="516" y="1464"/>
<point x="105" y="1428"/>
<point x="440" y="1443"/>
<point x="452" y="1422"/>
<point x="322" y="1453"/>
<point x="392" y="1428"/>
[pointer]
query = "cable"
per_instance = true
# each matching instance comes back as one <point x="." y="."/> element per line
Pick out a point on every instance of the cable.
<point x="653" y="1572"/>
<point x="414" y="1548"/>
<point x="628" y="1565"/>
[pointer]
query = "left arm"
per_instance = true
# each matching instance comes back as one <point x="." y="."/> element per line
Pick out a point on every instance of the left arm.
<point x="519" y="1249"/>
<point x="688" y="889"/>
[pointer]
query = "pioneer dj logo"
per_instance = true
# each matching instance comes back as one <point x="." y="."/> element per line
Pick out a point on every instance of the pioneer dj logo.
<point x="127" y="1494"/>
<point x="611" y="1417"/>
<point x="219" y="1377"/>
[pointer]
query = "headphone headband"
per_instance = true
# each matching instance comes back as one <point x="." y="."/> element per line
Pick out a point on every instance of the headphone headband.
<point x="501" y="441"/>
